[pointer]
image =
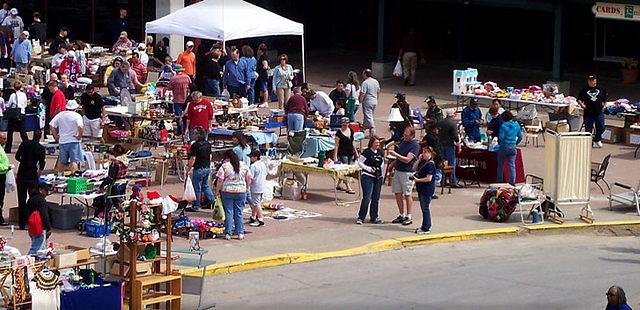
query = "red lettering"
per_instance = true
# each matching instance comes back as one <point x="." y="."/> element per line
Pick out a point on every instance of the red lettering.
<point x="608" y="9"/>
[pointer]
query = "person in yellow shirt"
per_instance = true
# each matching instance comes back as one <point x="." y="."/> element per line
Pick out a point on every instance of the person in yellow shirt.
<point x="187" y="60"/>
<point x="117" y="61"/>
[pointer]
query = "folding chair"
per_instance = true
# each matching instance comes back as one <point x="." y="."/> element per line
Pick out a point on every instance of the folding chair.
<point x="598" y="170"/>
<point x="418" y="119"/>
<point x="536" y="184"/>
<point x="296" y="142"/>
<point x="630" y="198"/>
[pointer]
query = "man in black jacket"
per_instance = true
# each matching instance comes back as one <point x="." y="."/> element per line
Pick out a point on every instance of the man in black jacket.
<point x="31" y="156"/>
<point x="37" y="202"/>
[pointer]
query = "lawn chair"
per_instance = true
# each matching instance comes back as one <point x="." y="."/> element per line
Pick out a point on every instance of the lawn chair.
<point x="631" y="198"/>
<point x="535" y="184"/>
<point x="418" y="120"/>
<point x="296" y="142"/>
<point x="598" y="170"/>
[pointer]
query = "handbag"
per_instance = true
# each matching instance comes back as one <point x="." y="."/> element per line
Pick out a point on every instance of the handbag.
<point x="351" y="102"/>
<point x="218" y="210"/>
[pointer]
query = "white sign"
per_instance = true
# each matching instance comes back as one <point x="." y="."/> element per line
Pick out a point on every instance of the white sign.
<point x="616" y="11"/>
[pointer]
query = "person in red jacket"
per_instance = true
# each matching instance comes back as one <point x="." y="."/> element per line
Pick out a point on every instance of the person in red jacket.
<point x="70" y="67"/>
<point x="199" y="114"/>
<point x="58" y="101"/>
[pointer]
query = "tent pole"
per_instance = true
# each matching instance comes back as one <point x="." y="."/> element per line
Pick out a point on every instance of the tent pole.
<point x="304" y="73"/>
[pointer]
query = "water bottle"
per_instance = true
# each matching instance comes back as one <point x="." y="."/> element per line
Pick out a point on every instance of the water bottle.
<point x="321" y="158"/>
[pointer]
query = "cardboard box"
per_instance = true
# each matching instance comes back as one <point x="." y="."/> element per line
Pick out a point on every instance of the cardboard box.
<point x="64" y="258"/>
<point x="557" y="126"/>
<point x="82" y="254"/>
<point x="632" y="137"/>
<point x="13" y="215"/>
<point x="613" y="135"/>
<point x="142" y="269"/>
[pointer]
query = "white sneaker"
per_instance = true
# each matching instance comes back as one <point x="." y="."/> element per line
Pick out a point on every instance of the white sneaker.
<point x="227" y="237"/>
<point x="264" y="105"/>
<point x="240" y="236"/>
<point x="599" y="144"/>
<point x="419" y="231"/>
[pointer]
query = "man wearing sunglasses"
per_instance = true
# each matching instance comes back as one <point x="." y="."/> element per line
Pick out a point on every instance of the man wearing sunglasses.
<point x="616" y="299"/>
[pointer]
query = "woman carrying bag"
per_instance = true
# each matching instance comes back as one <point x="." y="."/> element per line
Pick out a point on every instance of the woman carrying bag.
<point x="233" y="183"/>
<point x="15" y="115"/>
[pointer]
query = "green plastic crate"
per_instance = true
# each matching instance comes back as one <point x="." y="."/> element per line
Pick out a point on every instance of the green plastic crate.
<point x="76" y="185"/>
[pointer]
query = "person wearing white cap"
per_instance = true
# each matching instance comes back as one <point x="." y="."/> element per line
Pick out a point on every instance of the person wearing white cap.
<point x="67" y="128"/>
<point x="22" y="51"/>
<point x="123" y="43"/>
<point x="58" y="58"/>
<point x="187" y="60"/>
<point x="70" y="67"/>
<point x="142" y="50"/>
<point x="14" y="23"/>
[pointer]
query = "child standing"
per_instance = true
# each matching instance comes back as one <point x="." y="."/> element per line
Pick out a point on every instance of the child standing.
<point x="257" y="188"/>
<point x="426" y="186"/>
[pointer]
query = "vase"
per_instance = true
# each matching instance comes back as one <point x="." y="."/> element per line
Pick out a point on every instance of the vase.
<point x="629" y="76"/>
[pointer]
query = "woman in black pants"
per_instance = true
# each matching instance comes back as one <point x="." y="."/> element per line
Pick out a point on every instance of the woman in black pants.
<point x="31" y="156"/>
<point x="372" y="163"/>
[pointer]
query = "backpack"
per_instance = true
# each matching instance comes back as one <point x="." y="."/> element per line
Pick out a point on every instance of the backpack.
<point x="34" y="224"/>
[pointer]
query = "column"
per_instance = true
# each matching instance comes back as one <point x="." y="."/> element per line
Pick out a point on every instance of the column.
<point x="176" y="42"/>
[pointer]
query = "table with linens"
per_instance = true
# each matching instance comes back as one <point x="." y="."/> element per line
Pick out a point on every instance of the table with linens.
<point x="486" y="163"/>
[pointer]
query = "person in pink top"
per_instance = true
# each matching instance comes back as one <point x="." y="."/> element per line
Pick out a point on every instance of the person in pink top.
<point x="234" y="179"/>
<point x="179" y="85"/>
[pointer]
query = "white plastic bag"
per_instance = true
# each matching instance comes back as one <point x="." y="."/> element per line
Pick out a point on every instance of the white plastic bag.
<point x="10" y="183"/>
<point x="397" y="71"/>
<point x="189" y="192"/>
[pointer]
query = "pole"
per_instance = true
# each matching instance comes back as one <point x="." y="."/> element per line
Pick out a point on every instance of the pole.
<point x="557" y="42"/>
<point x="380" y="54"/>
<point x="93" y="21"/>
<point x="304" y="72"/>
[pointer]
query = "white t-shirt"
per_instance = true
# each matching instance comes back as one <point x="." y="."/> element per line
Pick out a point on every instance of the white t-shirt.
<point x="18" y="100"/>
<point x="67" y="123"/>
<point x="370" y="88"/>
<point x="259" y="171"/>
<point x="353" y="92"/>
<point x="322" y="103"/>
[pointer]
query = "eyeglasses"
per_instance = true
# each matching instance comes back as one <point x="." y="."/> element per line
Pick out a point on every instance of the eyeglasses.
<point x="609" y="294"/>
<point x="283" y="59"/>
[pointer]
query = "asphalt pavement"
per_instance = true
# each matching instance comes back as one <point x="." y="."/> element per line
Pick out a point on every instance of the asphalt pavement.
<point x="534" y="272"/>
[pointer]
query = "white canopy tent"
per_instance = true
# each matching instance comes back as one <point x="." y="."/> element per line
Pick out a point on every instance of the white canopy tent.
<point x="226" y="20"/>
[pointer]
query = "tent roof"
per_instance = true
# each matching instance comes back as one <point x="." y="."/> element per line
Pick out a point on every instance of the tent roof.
<point x="224" y="20"/>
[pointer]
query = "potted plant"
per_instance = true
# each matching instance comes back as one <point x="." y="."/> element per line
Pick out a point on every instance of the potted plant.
<point x="629" y="70"/>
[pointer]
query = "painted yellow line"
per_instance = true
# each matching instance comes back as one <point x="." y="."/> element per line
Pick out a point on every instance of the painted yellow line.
<point x="581" y="225"/>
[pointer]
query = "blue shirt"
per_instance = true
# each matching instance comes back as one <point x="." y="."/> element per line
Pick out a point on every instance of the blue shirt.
<point x="404" y="148"/>
<point x="510" y="133"/>
<point x="243" y="154"/>
<point x="251" y="63"/>
<point x="622" y="307"/>
<point x="427" y="188"/>
<point x="469" y="117"/>
<point x="22" y="51"/>
<point x="235" y="74"/>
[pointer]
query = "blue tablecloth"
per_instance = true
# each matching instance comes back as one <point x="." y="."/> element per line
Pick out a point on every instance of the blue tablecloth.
<point x="316" y="144"/>
<point x="97" y="298"/>
<point x="260" y="137"/>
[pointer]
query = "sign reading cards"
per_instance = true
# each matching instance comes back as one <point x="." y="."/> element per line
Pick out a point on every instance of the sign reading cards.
<point x="616" y="11"/>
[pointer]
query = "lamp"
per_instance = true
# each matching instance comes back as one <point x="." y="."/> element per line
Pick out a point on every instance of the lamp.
<point x="395" y="116"/>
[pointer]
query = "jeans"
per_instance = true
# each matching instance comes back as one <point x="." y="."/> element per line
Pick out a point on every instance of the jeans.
<point x="178" y="109"/>
<point x="438" y="176"/>
<point x="37" y="243"/>
<point x="233" y="205"/>
<point x="599" y="121"/>
<point x="370" y="197"/>
<point x="251" y="91"/>
<point x="450" y="156"/>
<point x="508" y="152"/>
<point x="425" y="200"/>
<point x="295" y="122"/>
<point x="212" y="87"/>
<point x="352" y="117"/>
<point x="200" y="180"/>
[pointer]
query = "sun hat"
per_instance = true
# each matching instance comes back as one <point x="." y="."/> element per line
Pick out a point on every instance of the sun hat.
<point x="178" y="68"/>
<point x="190" y="43"/>
<point x="72" y="105"/>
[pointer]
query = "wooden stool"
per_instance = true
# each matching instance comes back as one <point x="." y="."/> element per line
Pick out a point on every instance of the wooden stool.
<point x="467" y="170"/>
<point x="447" y="174"/>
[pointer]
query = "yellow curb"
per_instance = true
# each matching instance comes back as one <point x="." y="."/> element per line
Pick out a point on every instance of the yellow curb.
<point x="456" y="236"/>
<point x="581" y="225"/>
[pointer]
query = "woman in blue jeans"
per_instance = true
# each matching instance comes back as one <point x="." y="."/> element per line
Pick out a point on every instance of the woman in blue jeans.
<point x="372" y="163"/>
<point x="233" y="183"/>
<point x="425" y="185"/>
<point x="510" y="136"/>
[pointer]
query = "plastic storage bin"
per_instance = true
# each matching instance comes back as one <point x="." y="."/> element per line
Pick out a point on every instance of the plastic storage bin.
<point x="96" y="230"/>
<point x="76" y="185"/>
<point x="66" y="216"/>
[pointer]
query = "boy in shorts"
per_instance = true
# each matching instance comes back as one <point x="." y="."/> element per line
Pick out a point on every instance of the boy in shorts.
<point x="94" y="114"/>
<point x="67" y="127"/>
<point x="259" y="171"/>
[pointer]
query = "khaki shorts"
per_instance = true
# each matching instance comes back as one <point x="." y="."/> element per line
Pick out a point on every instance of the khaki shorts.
<point x="401" y="183"/>
<point x="92" y="127"/>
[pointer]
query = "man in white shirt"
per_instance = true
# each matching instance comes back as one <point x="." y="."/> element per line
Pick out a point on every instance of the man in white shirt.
<point x="58" y="58"/>
<point x="320" y="101"/>
<point x="142" y="52"/>
<point x="67" y="128"/>
<point x="369" y="93"/>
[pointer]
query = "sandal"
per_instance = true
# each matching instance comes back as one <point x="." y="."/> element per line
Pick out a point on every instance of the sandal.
<point x="350" y="191"/>
<point x="338" y="188"/>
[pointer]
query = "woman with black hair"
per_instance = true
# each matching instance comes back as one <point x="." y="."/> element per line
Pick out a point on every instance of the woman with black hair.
<point x="233" y="183"/>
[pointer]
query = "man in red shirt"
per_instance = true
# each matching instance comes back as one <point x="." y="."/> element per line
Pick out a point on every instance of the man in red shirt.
<point x="199" y="113"/>
<point x="138" y="67"/>
<point x="179" y="85"/>
<point x="58" y="101"/>
<point x="187" y="60"/>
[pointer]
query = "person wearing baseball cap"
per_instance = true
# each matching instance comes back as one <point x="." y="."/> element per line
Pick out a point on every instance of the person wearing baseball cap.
<point x="592" y="99"/>
<point x="471" y="120"/>
<point x="14" y="23"/>
<point x="123" y="43"/>
<point x="187" y="60"/>
<point x="22" y="51"/>
<point x="142" y="52"/>
<point x="67" y="128"/>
